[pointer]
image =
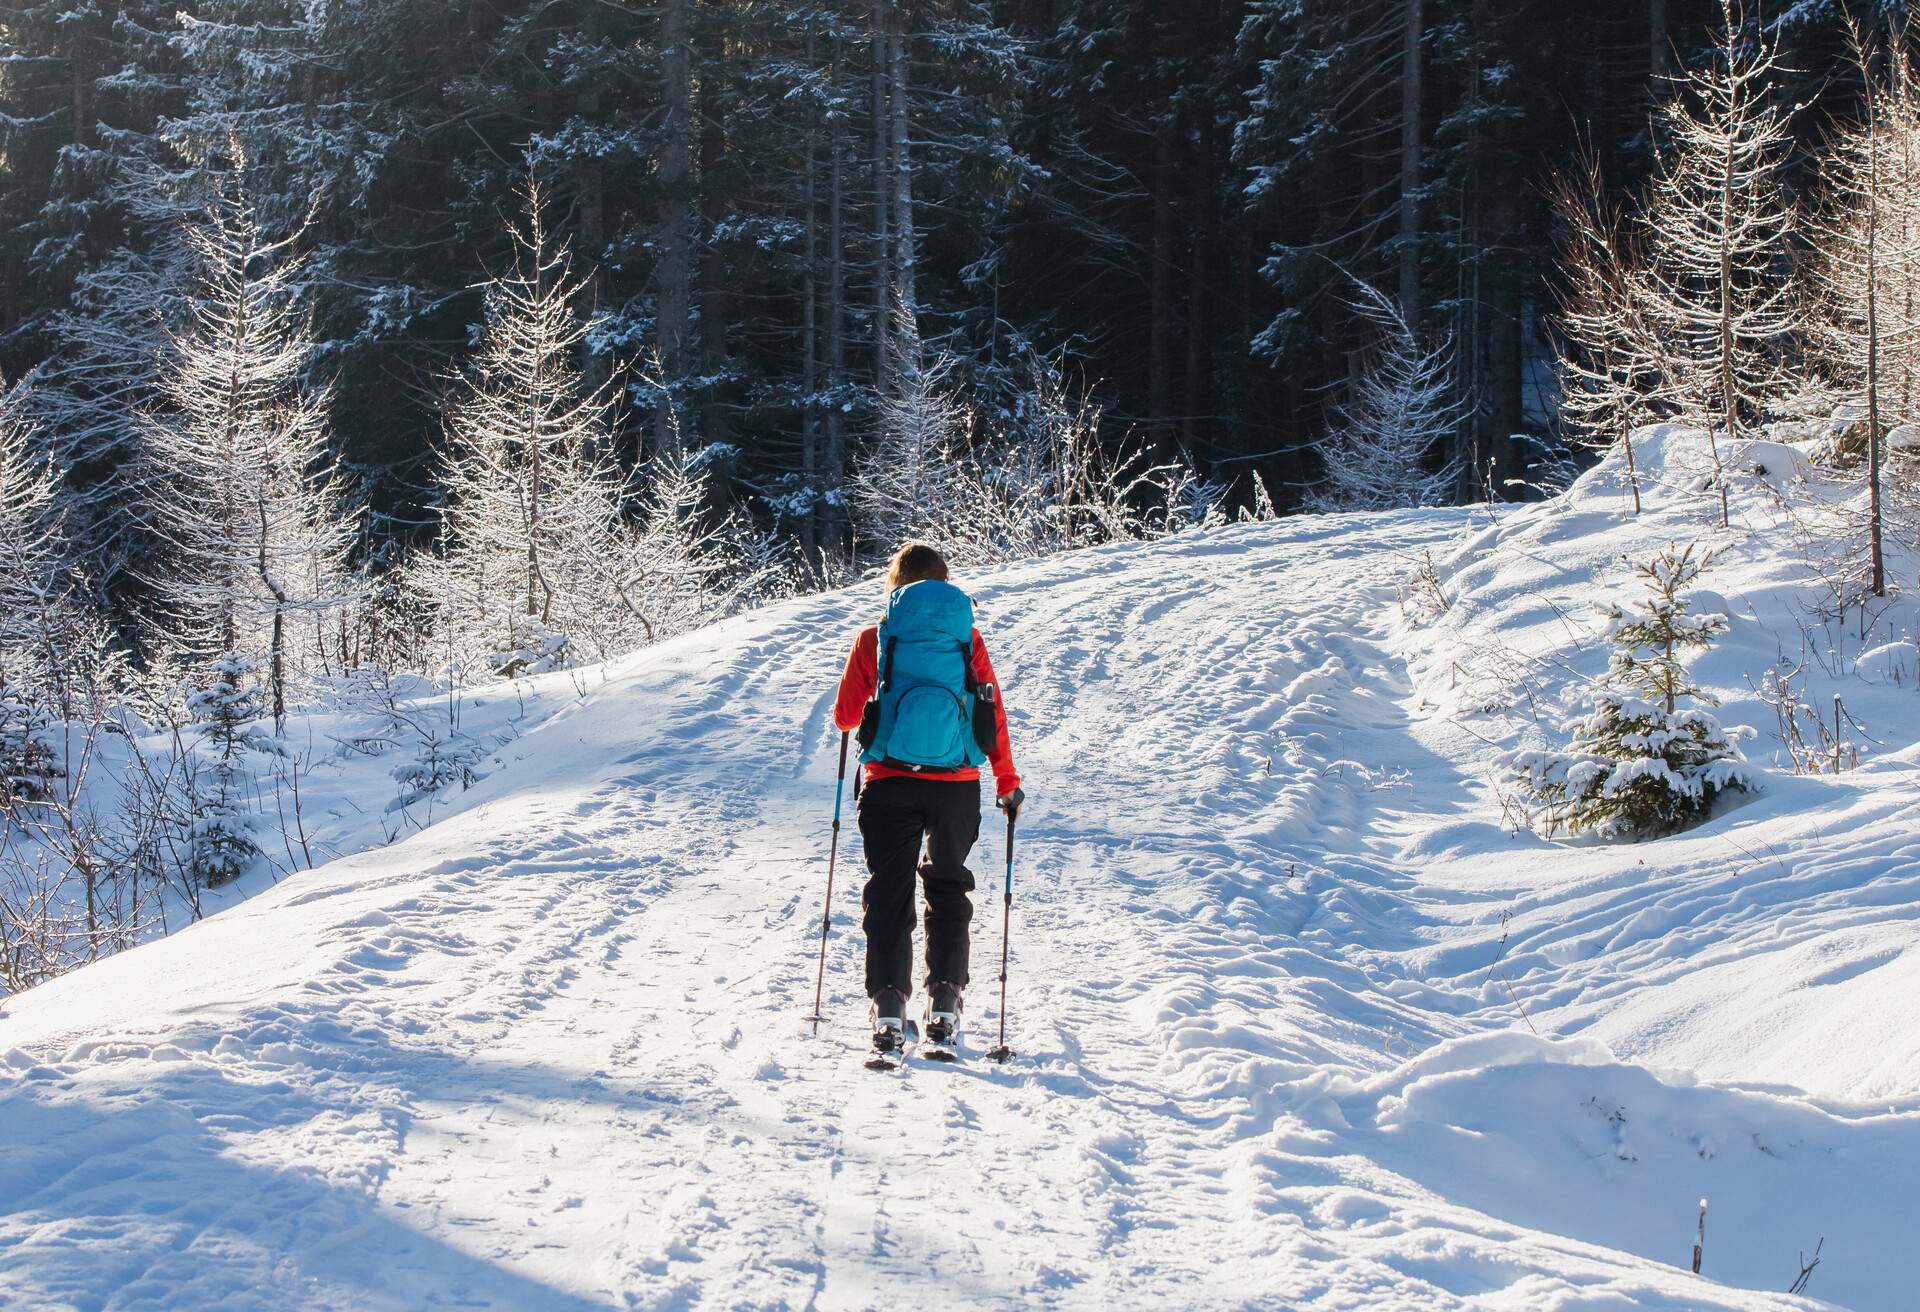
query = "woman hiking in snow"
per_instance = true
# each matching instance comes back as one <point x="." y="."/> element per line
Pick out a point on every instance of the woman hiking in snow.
<point x="921" y="693"/>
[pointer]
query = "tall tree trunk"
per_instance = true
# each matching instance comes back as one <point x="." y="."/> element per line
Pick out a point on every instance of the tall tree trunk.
<point x="1657" y="41"/>
<point x="883" y="267"/>
<point x="673" y="275"/>
<point x="716" y="402"/>
<point x="82" y="77"/>
<point x="906" y="248"/>
<point x="1160" y="279"/>
<point x="836" y="308"/>
<point x="590" y="190"/>
<point x="1877" y="556"/>
<point x="1469" y="350"/>
<point x="1411" y="57"/>
<point x="809" y="321"/>
<point x="1200" y="406"/>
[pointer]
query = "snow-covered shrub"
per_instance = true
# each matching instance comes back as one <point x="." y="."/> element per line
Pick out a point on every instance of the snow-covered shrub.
<point x="445" y="756"/>
<point x="534" y="649"/>
<point x="1039" y="483"/>
<point x="682" y="564"/>
<point x="231" y="748"/>
<point x="27" y="761"/>
<point x="1401" y="409"/>
<point x="1640" y="764"/>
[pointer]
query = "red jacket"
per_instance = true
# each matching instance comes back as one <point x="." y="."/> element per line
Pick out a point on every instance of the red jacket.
<point x="856" y="688"/>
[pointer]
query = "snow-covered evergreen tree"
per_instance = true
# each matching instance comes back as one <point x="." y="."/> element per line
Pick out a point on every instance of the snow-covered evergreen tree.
<point x="1718" y="231"/>
<point x="232" y="747"/>
<point x="1641" y="763"/>
<point x="254" y="524"/>
<point x="1389" y="434"/>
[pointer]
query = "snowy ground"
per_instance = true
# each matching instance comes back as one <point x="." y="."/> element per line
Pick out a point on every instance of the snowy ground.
<point x="550" y="1052"/>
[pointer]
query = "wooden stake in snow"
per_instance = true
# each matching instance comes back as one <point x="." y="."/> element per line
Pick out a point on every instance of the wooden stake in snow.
<point x="1701" y="1241"/>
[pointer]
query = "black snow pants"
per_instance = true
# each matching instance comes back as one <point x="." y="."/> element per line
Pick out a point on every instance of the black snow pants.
<point x="896" y="814"/>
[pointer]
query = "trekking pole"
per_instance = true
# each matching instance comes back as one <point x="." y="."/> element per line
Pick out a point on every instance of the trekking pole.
<point x="1002" y="1051"/>
<point x="833" y="853"/>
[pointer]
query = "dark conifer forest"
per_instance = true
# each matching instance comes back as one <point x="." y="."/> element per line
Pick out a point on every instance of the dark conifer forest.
<point x="1163" y="208"/>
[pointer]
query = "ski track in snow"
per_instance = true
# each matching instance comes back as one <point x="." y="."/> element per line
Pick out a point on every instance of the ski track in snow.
<point x="551" y="1053"/>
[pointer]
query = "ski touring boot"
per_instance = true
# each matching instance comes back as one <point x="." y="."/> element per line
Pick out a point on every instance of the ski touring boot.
<point x="890" y="1031"/>
<point x="943" y="1022"/>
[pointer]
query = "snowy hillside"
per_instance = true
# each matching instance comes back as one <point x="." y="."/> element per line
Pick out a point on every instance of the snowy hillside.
<point x="1301" y="1020"/>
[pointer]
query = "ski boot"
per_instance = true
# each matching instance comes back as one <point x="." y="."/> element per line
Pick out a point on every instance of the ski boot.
<point x="889" y="1030"/>
<point x="943" y="1021"/>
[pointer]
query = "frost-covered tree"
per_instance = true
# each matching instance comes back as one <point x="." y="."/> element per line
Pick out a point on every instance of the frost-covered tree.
<point x="1641" y="764"/>
<point x="1866" y="265"/>
<point x="1608" y="362"/>
<point x="681" y="563"/>
<point x="1718" y="230"/>
<point x="1384" y="449"/>
<point x="90" y="399"/>
<point x="902" y="483"/>
<point x="31" y="548"/>
<point x="252" y="519"/>
<point x="532" y="527"/>
<point x="30" y="566"/>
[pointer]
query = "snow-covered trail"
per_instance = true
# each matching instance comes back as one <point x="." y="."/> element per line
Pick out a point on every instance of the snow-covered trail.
<point x="552" y="1052"/>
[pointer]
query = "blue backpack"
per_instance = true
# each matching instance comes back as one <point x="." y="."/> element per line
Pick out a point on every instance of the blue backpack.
<point x="927" y="712"/>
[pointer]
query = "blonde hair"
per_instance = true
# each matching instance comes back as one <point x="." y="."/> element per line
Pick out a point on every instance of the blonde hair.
<point x="914" y="562"/>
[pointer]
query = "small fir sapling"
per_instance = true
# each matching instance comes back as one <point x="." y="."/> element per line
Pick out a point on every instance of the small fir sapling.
<point x="227" y="712"/>
<point x="1641" y="763"/>
<point x="27" y="763"/>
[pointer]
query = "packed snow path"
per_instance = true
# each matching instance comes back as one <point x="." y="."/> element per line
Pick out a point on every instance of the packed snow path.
<point x="552" y="1052"/>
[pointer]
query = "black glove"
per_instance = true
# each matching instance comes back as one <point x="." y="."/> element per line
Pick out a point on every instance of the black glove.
<point x="1010" y="803"/>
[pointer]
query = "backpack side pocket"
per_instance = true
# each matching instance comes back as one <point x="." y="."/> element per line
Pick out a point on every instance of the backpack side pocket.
<point x="986" y="726"/>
